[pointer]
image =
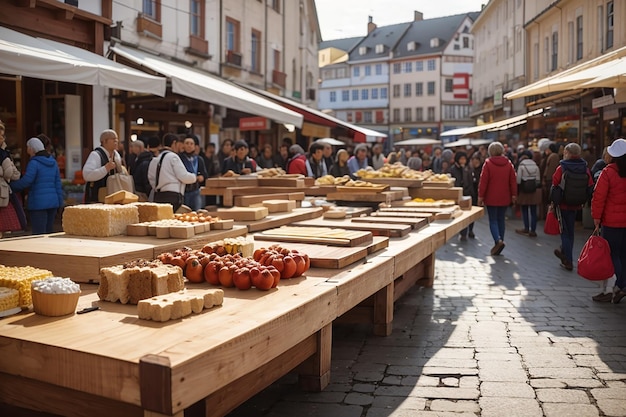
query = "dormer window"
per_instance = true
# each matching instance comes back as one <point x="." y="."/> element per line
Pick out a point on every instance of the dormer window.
<point x="380" y="48"/>
<point x="434" y="43"/>
<point x="411" y="46"/>
<point x="362" y="50"/>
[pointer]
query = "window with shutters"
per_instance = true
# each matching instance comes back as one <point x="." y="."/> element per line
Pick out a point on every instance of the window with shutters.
<point x="610" y="16"/>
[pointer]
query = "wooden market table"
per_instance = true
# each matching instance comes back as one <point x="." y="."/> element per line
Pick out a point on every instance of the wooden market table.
<point x="109" y="362"/>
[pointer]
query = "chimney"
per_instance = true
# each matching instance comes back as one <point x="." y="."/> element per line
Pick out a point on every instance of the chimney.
<point x="418" y="16"/>
<point x="370" y="24"/>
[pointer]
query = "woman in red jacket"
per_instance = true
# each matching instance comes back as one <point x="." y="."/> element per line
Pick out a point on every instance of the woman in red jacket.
<point x="608" y="208"/>
<point x="497" y="189"/>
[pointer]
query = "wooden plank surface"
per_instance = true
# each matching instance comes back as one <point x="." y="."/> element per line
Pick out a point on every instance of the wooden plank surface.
<point x="377" y="229"/>
<point x="371" y="189"/>
<point x="231" y="192"/>
<point x="397" y="182"/>
<point x="247" y="200"/>
<point x="281" y="182"/>
<point x="281" y="219"/>
<point x="402" y="214"/>
<point x="319" y="235"/>
<point x="80" y="258"/>
<point x="414" y="222"/>
<point x="250" y="329"/>
<point x="320" y="190"/>
<point x="380" y="197"/>
<point x="438" y="193"/>
<point x="332" y="257"/>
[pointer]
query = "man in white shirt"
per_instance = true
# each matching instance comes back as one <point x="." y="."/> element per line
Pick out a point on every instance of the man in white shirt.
<point x="378" y="160"/>
<point x="168" y="176"/>
<point x="101" y="163"/>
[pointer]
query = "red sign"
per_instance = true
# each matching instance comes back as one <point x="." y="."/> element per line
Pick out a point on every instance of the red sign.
<point x="460" y="85"/>
<point x="254" y="123"/>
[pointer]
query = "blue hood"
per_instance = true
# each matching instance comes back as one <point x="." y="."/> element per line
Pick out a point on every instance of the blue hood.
<point x="47" y="161"/>
<point x="577" y="165"/>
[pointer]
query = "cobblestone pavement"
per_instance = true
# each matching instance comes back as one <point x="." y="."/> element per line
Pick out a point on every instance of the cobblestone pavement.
<point x="507" y="336"/>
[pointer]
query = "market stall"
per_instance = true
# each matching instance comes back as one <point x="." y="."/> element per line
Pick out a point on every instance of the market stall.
<point x="110" y="362"/>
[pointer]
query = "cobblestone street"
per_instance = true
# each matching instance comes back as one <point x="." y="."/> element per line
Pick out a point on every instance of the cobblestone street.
<point x="507" y="336"/>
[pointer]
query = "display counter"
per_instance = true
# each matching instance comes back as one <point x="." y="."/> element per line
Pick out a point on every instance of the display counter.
<point x="109" y="362"/>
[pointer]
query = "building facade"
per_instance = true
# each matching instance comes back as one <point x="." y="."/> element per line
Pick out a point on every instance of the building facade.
<point x="559" y="37"/>
<point x="499" y="64"/>
<point x="431" y="75"/>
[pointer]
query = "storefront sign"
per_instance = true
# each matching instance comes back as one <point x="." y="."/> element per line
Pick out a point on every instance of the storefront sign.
<point x="602" y="101"/>
<point x="610" y="114"/>
<point x="254" y="123"/>
<point x="315" y="131"/>
<point x="497" y="97"/>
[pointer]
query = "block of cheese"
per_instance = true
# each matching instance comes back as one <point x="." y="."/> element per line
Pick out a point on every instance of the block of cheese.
<point x="9" y="299"/>
<point x="139" y="229"/>
<point x="138" y="280"/>
<point x="19" y="278"/>
<point x="99" y="219"/>
<point x="178" y="305"/>
<point x="121" y="197"/>
<point x="149" y="212"/>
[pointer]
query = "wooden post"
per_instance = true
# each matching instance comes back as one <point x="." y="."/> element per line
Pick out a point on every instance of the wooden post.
<point x="315" y="371"/>
<point x="155" y="381"/>
<point x="383" y="311"/>
<point x="428" y="279"/>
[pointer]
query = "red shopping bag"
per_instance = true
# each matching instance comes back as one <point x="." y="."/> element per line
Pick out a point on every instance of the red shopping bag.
<point x="594" y="262"/>
<point x="552" y="226"/>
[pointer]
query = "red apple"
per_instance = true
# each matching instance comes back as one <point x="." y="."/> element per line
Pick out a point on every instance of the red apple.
<point x="265" y="281"/>
<point x="241" y="279"/>
<point x="226" y="277"/>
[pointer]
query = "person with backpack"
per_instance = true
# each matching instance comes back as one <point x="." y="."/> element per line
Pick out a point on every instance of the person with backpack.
<point x="101" y="163"/>
<point x="168" y="176"/>
<point x="571" y="189"/>
<point x="529" y="193"/>
<point x="608" y="209"/>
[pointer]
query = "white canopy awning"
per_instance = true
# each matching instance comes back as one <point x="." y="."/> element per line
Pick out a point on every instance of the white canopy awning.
<point x="25" y="55"/>
<point x="206" y="87"/>
<point x="369" y="134"/>
<point x="569" y="79"/>
<point x="499" y="125"/>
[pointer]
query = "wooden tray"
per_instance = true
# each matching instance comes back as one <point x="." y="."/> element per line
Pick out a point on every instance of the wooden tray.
<point x="377" y="189"/>
<point x="247" y="200"/>
<point x="397" y="182"/>
<point x="379" y="197"/>
<point x="439" y="213"/>
<point x="416" y="223"/>
<point x="442" y="184"/>
<point x="332" y="257"/>
<point x="422" y="204"/>
<point x="428" y="216"/>
<point x="321" y="235"/>
<point x="377" y="229"/>
<point x="282" y="219"/>
<point x="320" y="190"/>
<point x="281" y="182"/>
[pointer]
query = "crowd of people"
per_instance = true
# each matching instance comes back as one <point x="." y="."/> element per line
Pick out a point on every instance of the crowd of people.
<point x="171" y="169"/>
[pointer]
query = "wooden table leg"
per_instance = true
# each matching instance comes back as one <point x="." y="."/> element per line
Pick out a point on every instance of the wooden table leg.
<point x="314" y="373"/>
<point x="155" y="379"/>
<point x="383" y="311"/>
<point x="147" y="413"/>
<point x="429" y="272"/>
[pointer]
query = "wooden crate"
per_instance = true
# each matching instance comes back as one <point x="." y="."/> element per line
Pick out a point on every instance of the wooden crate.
<point x="438" y="193"/>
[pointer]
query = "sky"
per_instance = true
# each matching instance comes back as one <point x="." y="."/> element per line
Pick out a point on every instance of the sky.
<point x="347" y="18"/>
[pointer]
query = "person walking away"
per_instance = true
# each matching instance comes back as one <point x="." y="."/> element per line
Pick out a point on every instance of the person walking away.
<point x="212" y="165"/>
<point x="573" y="182"/>
<point x="195" y="165"/>
<point x="457" y="170"/>
<point x="12" y="216"/>
<point x="470" y="185"/>
<point x="43" y="180"/>
<point x="529" y="193"/>
<point x="297" y="162"/>
<point x="608" y="209"/>
<point x="140" y="174"/>
<point x="101" y="163"/>
<point x="239" y="163"/>
<point x="358" y="160"/>
<point x="315" y="165"/>
<point x="136" y="147"/>
<point x="168" y="176"/>
<point x="497" y="189"/>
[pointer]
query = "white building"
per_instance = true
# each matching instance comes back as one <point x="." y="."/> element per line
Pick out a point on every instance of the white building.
<point x="499" y="64"/>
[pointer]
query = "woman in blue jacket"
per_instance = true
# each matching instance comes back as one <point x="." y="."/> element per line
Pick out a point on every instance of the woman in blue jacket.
<point x="44" y="180"/>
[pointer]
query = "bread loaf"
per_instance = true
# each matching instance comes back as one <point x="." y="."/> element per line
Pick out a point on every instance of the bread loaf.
<point x="9" y="298"/>
<point x="139" y="280"/>
<point x="178" y="305"/>
<point x="149" y="212"/>
<point x="99" y="219"/>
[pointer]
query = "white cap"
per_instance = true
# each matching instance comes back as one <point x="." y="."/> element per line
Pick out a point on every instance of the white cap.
<point x="617" y="148"/>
